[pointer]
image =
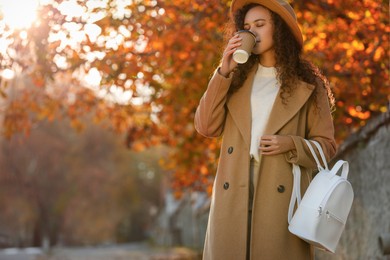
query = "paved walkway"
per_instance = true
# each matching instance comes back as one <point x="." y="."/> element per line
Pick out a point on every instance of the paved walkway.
<point x="117" y="252"/>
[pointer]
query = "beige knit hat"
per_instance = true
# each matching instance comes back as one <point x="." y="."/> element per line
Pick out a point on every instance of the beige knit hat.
<point x="281" y="7"/>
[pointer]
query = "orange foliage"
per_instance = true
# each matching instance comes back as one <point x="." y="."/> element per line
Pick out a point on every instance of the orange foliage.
<point x="353" y="55"/>
<point x="164" y="55"/>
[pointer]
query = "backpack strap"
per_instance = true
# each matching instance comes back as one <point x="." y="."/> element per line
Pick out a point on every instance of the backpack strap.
<point x="339" y="164"/>
<point x="296" y="191"/>
<point x="319" y="148"/>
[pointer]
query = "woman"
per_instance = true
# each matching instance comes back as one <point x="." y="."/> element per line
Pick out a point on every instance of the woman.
<point x="264" y="109"/>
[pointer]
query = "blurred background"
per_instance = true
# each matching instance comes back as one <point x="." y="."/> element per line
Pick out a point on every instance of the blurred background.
<point x="99" y="158"/>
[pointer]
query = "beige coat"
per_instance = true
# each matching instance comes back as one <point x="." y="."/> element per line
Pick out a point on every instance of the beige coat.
<point x="216" y="115"/>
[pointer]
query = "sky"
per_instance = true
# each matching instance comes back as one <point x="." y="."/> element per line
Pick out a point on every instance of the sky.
<point x="17" y="18"/>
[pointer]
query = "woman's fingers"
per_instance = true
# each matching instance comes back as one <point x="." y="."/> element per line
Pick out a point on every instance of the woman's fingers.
<point x="227" y="61"/>
<point x="267" y="140"/>
<point x="234" y="42"/>
<point x="275" y="144"/>
<point x="268" y="145"/>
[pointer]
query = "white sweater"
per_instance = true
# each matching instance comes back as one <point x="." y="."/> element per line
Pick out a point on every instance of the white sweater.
<point x="264" y="90"/>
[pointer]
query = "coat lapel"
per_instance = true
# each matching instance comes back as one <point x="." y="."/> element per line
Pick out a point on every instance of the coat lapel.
<point x="239" y="106"/>
<point x="282" y="113"/>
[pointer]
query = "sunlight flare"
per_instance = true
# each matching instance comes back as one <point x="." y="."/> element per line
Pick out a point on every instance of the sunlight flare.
<point x="19" y="14"/>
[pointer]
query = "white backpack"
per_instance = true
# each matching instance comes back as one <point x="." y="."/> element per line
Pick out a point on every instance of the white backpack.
<point x="323" y="211"/>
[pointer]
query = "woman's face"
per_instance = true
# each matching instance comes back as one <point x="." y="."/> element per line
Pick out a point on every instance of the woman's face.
<point x="258" y="20"/>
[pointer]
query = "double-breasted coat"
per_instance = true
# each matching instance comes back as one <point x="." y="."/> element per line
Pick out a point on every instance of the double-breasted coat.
<point x="230" y="116"/>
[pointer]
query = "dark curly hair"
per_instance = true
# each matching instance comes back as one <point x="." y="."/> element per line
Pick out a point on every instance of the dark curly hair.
<point x="290" y="66"/>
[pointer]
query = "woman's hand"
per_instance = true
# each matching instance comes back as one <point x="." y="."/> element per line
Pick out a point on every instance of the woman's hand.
<point x="275" y="144"/>
<point x="228" y="64"/>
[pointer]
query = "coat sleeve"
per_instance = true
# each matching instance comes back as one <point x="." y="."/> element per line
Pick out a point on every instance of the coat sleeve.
<point x="320" y="128"/>
<point x="211" y="112"/>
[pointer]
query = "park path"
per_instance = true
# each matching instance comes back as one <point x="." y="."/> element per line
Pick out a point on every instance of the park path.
<point x="113" y="252"/>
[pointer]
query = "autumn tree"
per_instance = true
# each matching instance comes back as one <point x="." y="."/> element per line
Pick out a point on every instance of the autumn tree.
<point x="349" y="41"/>
<point x="160" y="54"/>
<point x="58" y="186"/>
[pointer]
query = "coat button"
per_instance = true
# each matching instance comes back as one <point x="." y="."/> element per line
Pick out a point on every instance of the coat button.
<point x="230" y="150"/>
<point x="226" y="185"/>
<point x="281" y="188"/>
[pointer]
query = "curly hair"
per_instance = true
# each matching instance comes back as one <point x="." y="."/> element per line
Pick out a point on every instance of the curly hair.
<point x="290" y="66"/>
